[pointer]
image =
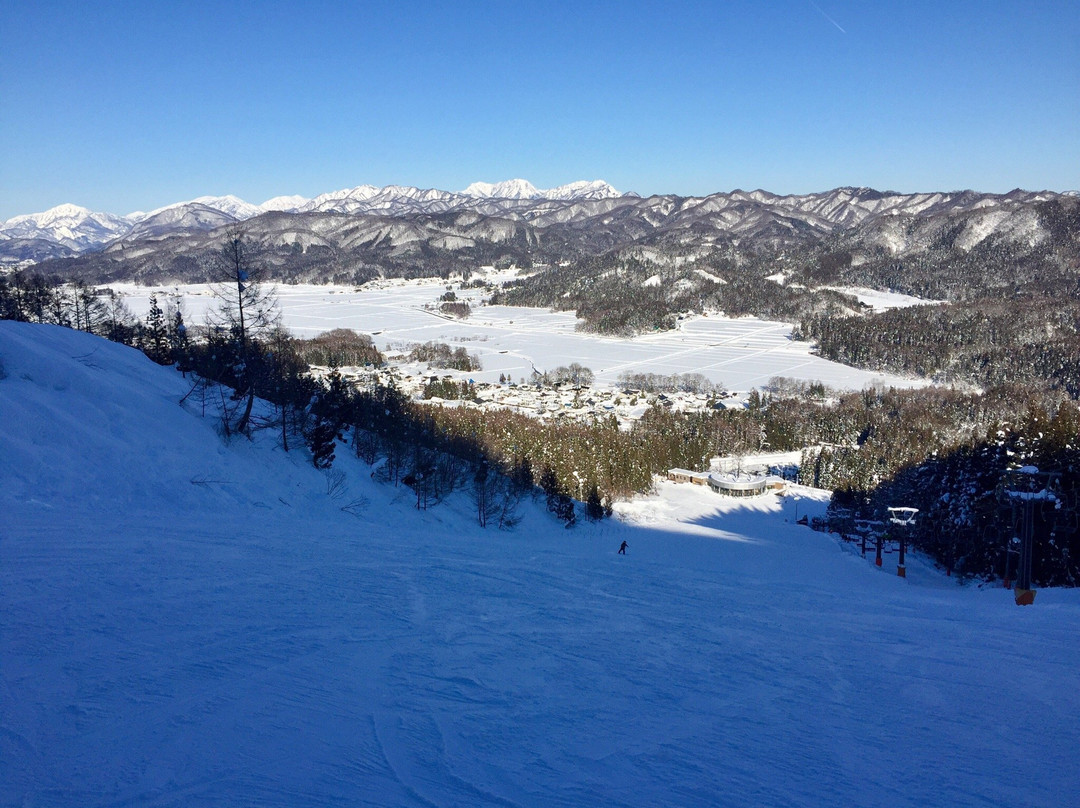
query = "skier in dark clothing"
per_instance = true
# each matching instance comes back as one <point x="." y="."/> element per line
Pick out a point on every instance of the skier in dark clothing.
<point x="622" y="549"/>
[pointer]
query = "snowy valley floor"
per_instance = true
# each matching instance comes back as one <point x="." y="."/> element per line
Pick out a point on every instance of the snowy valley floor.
<point x="188" y="623"/>
<point x="740" y="353"/>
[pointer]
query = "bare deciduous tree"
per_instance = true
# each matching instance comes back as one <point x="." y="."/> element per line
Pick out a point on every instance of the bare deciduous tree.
<point x="247" y="309"/>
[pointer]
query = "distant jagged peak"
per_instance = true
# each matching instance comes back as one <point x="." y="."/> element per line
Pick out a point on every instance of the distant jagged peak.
<point x="584" y="189"/>
<point x="232" y="205"/>
<point x="359" y="193"/>
<point x="412" y="192"/>
<point x="758" y="195"/>
<point x="508" y="189"/>
<point x="523" y="189"/>
<point x="287" y="204"/>
<point x="66" y="211"/>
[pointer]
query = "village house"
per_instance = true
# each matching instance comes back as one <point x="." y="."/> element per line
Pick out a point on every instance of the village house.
<point x="686" y="476"/>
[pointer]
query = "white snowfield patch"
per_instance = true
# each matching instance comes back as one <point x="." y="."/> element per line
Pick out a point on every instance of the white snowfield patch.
<point x="760" y="461"/>
<point x="879" y="300"/>
<point x="709" y="276"/>
<point x="740" y="353"/>
<point x="185" y="622"/>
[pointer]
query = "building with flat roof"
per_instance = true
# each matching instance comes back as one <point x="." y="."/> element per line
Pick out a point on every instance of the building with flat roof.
<point x="685" y="476"/>
<point x="734" y="484"/>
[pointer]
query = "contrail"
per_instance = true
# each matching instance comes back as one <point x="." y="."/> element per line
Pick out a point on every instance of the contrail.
<point x="826" y="16"/>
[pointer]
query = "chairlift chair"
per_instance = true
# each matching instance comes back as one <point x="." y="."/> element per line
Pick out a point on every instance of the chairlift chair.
<point x="1029" y="492"/>
<point x="902" y="515"/>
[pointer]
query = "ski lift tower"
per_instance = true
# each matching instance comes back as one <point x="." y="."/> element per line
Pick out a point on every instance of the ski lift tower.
<point x="903" y="518"/>
<point x="1024" y="489"/>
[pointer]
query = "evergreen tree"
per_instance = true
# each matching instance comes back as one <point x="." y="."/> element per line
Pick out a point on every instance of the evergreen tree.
<point x="594" y="506"/>
<point x="180" y="343"/>
<point x="11" y="297"/>
<point x="287" y="384"/>
<point x="564" y="510"/>
<point x="155" y="338"/>
<point x="521" y="475"/>
<point x="321" y="440"/>
<point x="557" y="500"/>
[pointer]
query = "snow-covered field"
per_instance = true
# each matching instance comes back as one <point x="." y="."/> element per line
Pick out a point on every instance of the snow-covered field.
<point x="883" y="301"/>
<point x="741" y="353"/>
<point x="184" y="622"/>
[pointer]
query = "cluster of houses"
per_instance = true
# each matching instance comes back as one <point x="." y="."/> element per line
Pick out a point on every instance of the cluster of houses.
<point x="588" y="402"/>
<point x="577" y="402"/>
<point x="728" y="476"/>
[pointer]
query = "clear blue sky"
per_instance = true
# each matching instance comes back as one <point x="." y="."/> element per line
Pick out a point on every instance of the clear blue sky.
<point x="120" y="106"/>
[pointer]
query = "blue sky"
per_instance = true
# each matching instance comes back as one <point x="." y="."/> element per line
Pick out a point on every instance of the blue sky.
<point x="120" y="106"/>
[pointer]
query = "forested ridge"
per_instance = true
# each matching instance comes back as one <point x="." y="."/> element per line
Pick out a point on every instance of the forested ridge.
<point x="1030" y="339"/>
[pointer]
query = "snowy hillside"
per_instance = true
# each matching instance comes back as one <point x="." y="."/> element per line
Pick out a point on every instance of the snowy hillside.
<point x="185" y="622"/>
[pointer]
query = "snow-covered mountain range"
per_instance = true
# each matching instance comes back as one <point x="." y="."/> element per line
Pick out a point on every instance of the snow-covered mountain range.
<point x="74" y="229"/>
<point x="367" y="231"/>
<point x="69" y="225"/>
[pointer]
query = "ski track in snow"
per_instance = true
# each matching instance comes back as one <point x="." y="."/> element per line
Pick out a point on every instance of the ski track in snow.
<point x="245" y="642"/>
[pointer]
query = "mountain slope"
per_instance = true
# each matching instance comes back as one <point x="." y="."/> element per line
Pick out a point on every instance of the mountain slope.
<point x="188" y="622"/>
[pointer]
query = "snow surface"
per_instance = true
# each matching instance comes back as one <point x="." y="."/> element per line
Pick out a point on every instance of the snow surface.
<point x="880" y="300"/>
<point x="288" y="203"/>
<point x="741" y="353"/>
<point x="709" y="276"/>
<point x="185" y="622"/>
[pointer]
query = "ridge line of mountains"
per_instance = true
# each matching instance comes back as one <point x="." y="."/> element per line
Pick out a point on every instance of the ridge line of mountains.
<point x="82" y="229"/>
<point x="352" y="235"/>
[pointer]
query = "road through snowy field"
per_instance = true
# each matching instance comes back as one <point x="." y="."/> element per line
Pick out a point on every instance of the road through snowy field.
<point x="184" y="622"/>
<point x="741" y="353"/>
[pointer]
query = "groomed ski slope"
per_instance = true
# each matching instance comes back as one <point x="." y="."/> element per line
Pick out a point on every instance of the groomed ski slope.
<point x="184" y="622"/>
